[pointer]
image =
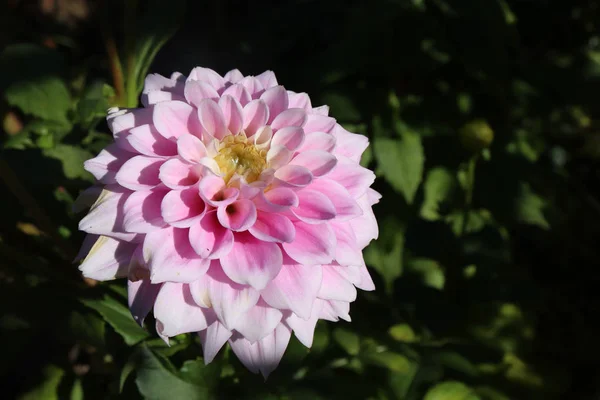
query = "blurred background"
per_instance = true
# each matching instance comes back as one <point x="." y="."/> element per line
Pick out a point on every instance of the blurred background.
<point x="484" y="130"/>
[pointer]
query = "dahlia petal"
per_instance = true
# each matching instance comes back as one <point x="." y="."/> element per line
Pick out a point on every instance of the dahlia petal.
<point x="209" y="239"/>
<point x="212" y="118"/>
<point x="347" y="251"/>
<point x="334" y="310"/>
<point x="107" y="259"/>
<point x="289" y="117"/>
<point x="251" y="261"/>
<point x="175" y="311"/>
<point x="140" y="173"/>
<point x="237" y="216"/>
<point x="318" y="141"/>
<point x="291" y="137"/>
<point x="158" y="88"/>
<point x="278" y="156"/>
<point x="349" y="144"/>
<point x="154" y="82"/>
<point x="141" y="296"/>
<point x="373" y="196"/>
<point x="158" y="96"/>
<point x="313" y="245"/>
<point x="262" y="137"/>
<point x="294" y="175"/>
<point x="234" y="76"/>
<point x="196" y="91"/>
<point x="258" y="322"/>
<point x="346" y="208"/>
<point x="351" y="273"/>
<point x="318" y="123"/>
<point x="177" y="174"/>
<point x="86" y="246"/>
<point x="276" y="99"/>
<point x="256" y="114"/>
<point x="147" y="141"/>
<point x="321" y="110"/>
<point x="238" y="92"/>
<point x="273" y="227"/>
<point x="107" y="163"/>
<point x="335" y="286"/>
<point x="299" y="100"/>
<point x="182" y="208"/>
<point x="366" y="282"/>
<point x="212" y="339"/>
<point x="174" y="118"/>
<point x="190" y="148"/>
<point x="170" y="257"/>
<point x="214" y="192"/>
<point x="253" y="85"/>
<point x="313" y="207"/>
<point x="123" y="120"/>
<point x="141" y="211"/>
<point x="318" y="162"/>
<point x="365" y="226"/>
<point x="105" y="216"/>
<point x="267" y="79"/>
<point x="352" y="176"/>
<point x="207" y="75"/>
<point x="264" y="355"/>
<point x="276" y="200"/>
<point x="294" y="288"/>
<point x="232" y="111"/>
<point x="304" y="329"/>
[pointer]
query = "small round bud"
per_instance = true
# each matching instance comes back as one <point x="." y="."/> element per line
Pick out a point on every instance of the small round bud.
<point x="476" y="135"/>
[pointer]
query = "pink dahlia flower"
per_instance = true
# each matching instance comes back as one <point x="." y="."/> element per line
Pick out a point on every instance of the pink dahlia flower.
<point x="235" y="209"/>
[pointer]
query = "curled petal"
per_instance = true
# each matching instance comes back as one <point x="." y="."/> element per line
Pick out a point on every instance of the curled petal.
<point x="141" y="211"/>
<point x="234" y="76"/>
<point x="107" y="163"/>
<point x="318" y="141"/>
<point x="239" y="93"/>
<point x="209" y="238"/>
<point x="262" y="138"/>
<point x="177" y="174"/>
<point x="346" y="208"/>
<point x="237" y="216"/>
<point x="253" y="85"/>
<point x="146" y="140"/>
<point x="139" y="173"/>
<point x="183" y="208"/>
<point x="313" y="207"/>
<point x="278" y="156"/>
<point x="256" y="114"/>
<point x="190" y="148"/>
<point x="291" y="137"/>
<point x="214" y="192"/>
<point x="276" y="200"/>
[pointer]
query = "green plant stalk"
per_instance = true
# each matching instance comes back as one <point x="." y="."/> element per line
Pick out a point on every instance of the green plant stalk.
<point x="130" y="35"/>
<point x="115" y="65"/>
<point x="469" y="193"/>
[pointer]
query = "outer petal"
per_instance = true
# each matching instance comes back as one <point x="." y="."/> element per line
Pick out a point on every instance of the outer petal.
<point x="335" y="286"/>
<point x="347" y="251"/>
<point x="106" y="216"/>
<point x="366" y="282"/>
<point x="141" y="296"/>
<point x="318" y="141"/>
<point x="209" y="238"/>
<point x="141" y="211"/>
<point x="295" y="288"/>
<point x="299" y="100"/>
<point x="267" y="79"/>
<point x="305" y="329"/>
<point x="289" y="117"/>
<point x="212" y="339"/>
<point x="234" y="76"/>
<point x="352" y="176"/>
<point x="170" y="257"/>
<point x="107" y="259"/>
<point x="139" y="173"/>
<point x="252" y="261"/>
<point x="176" y="312"/>
<point x="107" y="163"/>
<point x="258" y="322"/>
<point x="314" y="244"/>
<point x="207" y="75"/>
<point x="346" y="208"/>
<point x="318" y="162"/>
<point x="277" y="101"/>
<point x="349" y="144"/>
<point x="212" y="118"/>
<point x="146" y="140"/>
<point x="196" y="91"/>
<point x="175" y="118"/>
<point x="318" y="123"/>
<point x="365" y="226"/>
<point x="313" y="207"/>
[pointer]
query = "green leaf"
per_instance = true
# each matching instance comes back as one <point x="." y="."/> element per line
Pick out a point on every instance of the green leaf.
<point x="72" y="159"/>
<point x="392" y="361"/>
<point x="438" y="189"/>
<point x="156" y="379"/>
<point x="128" y="368"/>
<point x="349" y="341"/>
<point x="386" y="254"/>
<point x="47" y="98"/>
<point x="451" y="390"/>
<point x="456" y="362"/>
<point x="48" y="389"/>
<point x="195" y="372"/>
<point x="95" y="102"/>
<point x="88" y="327"/>
<point x="402" y="333"/>
<point x="401" y="163"/>
<point x="119" y="317"/>
<point x="77" y="390"/>
<point x="530" y="207"/>
<point x="430" y="272"/>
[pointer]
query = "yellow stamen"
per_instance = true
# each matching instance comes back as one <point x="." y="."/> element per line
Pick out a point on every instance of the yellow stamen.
<point x="238" y="155"/>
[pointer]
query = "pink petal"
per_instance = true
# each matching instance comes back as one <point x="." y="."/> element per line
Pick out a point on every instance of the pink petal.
<point x="209" y="239"/>
<point x="212" y="339"/>
<point x="158" y="88"/>
<point x="267" y="79"/>
<point x="349" y="144"/>
<point x="175" y="311"/>
<point x="190" y="148"/>
<point x="122" y="120"/>
<point x="318" y="162"/>
<point x="262" y="137"/>
<point x="321" y="110"/>
<point x="232" y="111"/>
<point x="256" y="114"/>
<point x="141" y="296"/>
<point x="237" y="216"/>
<point x="174" y="118"/>
<point x="107" y="163"/>
<point x="347" y="250"/>
<point x="276" y="99"/>
<point x="207" y="75"/>
<point x="177" y="174"/>
<point x="212" y="119"/>
<point x="214" y="192"/>
<point x="196" y="91"/>
<point x="273" y="227"/>
<point x="141" y="211"/>
<point x="366" y="282"/>
<point x="258" y="322"/>
<point x="346" y="208"/>
<point x="352" y="176"/>
<point x="318" y="141"/>
<point x="183" y="208"/>
<point x="373" y="196"/>
<point x="294" y="176"/>
<point x="276" y="200"/>
<point x="158" y="96"/>
<point x="146" y="140"/>
<point x="170" y="257"/>
<point x="234" y="76"/>
<point x="365" y="226"/>
<point x="336" y="287"/>
<point x="333" y="310"/>
<point x="289" y="117"/>
<point x="318" y="123"/>
<point x="228" y="299"/>
<point x="291" y="137"/>
<point x="313" y="245"/>
<point x="139" y="173"/>
<point x="253" y="86"/>
<point x="105" y="216"/>
<point x="107" y="259"/>
<point x="299" y="100"/>
<point x="313" y="207"/>
<point x="264" y="355"/>
<point x="239" y="93"/>
<point x="295" y="288"/>
<point x="304" y="329"/>
<point x="278" y="156"/>
<point x="252" y="261"/>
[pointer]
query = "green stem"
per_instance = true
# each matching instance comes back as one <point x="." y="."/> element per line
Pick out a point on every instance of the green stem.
<point x="470" y="185"/>
<point x="130" y="34"/>
<point x="115" y="62"/>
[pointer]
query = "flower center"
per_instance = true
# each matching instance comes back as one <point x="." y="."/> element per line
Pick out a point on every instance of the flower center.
<point x="239" y="156"/>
